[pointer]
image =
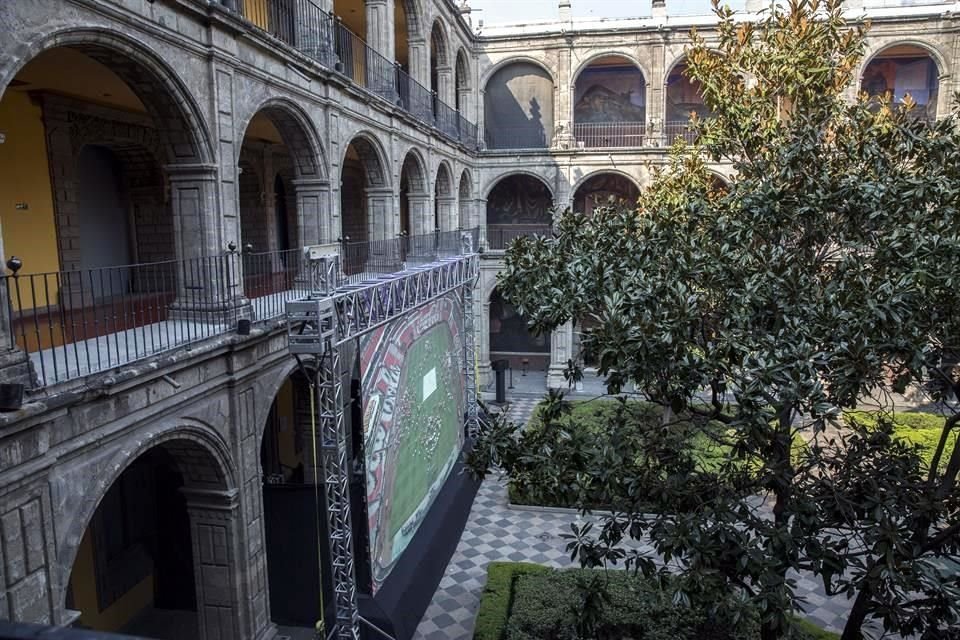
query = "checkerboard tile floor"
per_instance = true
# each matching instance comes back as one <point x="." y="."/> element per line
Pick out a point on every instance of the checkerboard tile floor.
<point x="495" y="532"/>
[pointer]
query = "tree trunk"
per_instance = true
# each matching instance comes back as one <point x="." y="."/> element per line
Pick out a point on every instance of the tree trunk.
<point x="783" y="492"/>
<point x="857" y="616"/>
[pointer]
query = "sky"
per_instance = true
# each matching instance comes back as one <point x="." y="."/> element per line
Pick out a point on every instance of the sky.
<point x="501" y="11"/>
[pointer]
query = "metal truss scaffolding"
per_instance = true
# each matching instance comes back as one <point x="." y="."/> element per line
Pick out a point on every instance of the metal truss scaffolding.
<point x="317" y="328"/>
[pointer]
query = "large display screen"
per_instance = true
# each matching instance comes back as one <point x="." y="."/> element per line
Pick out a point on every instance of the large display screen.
<point x="413" y="407"/>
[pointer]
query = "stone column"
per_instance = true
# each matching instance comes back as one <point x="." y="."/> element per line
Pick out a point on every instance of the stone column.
<point x="465" y="213"/>
<point x="382" y="218"/>
<point x="421" y="214"/>
<point x="481" y="119"/>
<point x="381" y="74"/>
<point x="222" y="605"/>
<point x="482" y="323"/>
<point x="561" y="343"/>
<point x="657" y="96"/>
<point x="14" y="365"/>
<point x="445" y="85"/>
<point x="314" y="222"/>
<point x="563" y="114"/>
<point x="418" y="96"/>
<point x="209" y="284"/>
<point x="446" y="213"/>
<point x="480" y="220"/>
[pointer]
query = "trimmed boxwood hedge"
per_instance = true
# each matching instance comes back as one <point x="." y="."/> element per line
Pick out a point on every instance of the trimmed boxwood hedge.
<point x="523" y="601"/>
<point x="497" y="598"/>
<point x="921" y="429"/>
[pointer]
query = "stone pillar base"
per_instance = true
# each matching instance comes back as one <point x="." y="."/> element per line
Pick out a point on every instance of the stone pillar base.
<point x="485" y="375"/>
<point x="555" y="379"/>
<point x="224" y="313"/>
<point x="15" y="367"/>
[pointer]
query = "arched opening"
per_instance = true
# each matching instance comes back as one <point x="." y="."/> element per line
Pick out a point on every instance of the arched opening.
<point x="366" y="203"/>
<point x="443" y="200"/>
<point x="294" y="509"/>
<point x="684" y="97"/>
<point x="462" y="82"/>
<point x="518" y="107"/>
<point x="605" y="190"/>
<point x="100" y="138"/>
<point x="135" y="571"/>
<point x="416" y="219"/>
<point x="518" y="205"/>
<point x="610" y="104"/>
<point x="277" y="150"/>
<point x="511" y="338"/>
<point x="439" y="66"/>
<point x="465" y="213"/>
<point x="902" y="70"/>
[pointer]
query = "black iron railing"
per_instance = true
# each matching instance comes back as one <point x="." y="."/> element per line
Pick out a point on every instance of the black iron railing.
<point x="678" y="129"/>
<point x="592" y="135"/>
<point x="529" y="136"/>
<point x="303" y="25"/>
<point x="499" y="236"/>
<point x="76" y="323"/>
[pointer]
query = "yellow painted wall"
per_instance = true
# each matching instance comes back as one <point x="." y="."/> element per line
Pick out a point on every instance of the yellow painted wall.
<point x="286" y="445"/>
<point x="84" y="587"/>
<point x="256" y="11"/>
<point x="30" y="234"/>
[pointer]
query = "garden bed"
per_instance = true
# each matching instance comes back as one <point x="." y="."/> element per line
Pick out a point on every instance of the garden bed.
<point x="526" y="601"/>
<point x="584" y="436"/>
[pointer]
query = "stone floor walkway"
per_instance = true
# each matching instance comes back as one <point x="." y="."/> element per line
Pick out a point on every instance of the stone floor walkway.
<point x="496" y="532"/>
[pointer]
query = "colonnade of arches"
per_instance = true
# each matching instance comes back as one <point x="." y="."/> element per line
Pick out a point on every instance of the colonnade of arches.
<point x="423" y="51"/>
<point x="611" y="100"/>
<point x="113" y="156"/>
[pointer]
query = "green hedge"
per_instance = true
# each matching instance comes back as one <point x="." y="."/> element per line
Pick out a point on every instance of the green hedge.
<point x="523" y="601"/>
<point x="497" y="598"/>
<point x="545" y="608"/>
<point x="922" y="429"/>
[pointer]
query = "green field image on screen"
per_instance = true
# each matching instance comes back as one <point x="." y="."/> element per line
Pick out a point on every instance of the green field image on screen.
<point x="430" y="436"/>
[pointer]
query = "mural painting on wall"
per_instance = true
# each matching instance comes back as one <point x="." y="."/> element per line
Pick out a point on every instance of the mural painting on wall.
<point x="610" y="94"/>
<point x="899" y="77"/>
<point x="684" y="97"/>
<point x="605" y="190"/>
<point x="519" y="200"/>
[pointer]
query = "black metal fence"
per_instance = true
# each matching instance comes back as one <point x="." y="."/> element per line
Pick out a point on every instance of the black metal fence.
<point x="499" y="237"/>
<point x="76" y="323"/>
<point x="591" y="135"/>
<point x="303" y="25"/>
<point x="530" y="136"/>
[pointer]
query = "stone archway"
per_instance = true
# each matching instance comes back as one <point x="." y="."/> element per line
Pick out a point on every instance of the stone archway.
<point x="902" y="69"/>
<point x="445" y="200"/>
<point x="605" y="188"/>
<point x="519" y="204"/>
<point x="518" y="106"/>
<point x="441" y="70"/>
<point x="415" y="219"/>
<point x="465" y="213"/>
<point x="164" y="535"/>
<point x="366" y="198"/>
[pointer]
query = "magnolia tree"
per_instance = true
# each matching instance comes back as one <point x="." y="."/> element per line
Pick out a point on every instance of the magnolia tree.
<point x="827" y="272"/>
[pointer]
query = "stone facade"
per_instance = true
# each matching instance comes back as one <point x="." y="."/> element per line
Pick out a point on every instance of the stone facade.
<point x="203" y="73"/>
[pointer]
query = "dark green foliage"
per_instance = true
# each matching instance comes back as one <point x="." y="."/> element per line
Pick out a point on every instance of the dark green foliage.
<point x="828" y="270"/>
<point x="920" y="429"/>
<point x="527" y="602"/>
<point x="495" y="603"/>
<point x="545" y="608"/>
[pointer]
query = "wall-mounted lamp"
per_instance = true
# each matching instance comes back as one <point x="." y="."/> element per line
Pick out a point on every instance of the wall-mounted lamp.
<point x="3" y="137"/>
